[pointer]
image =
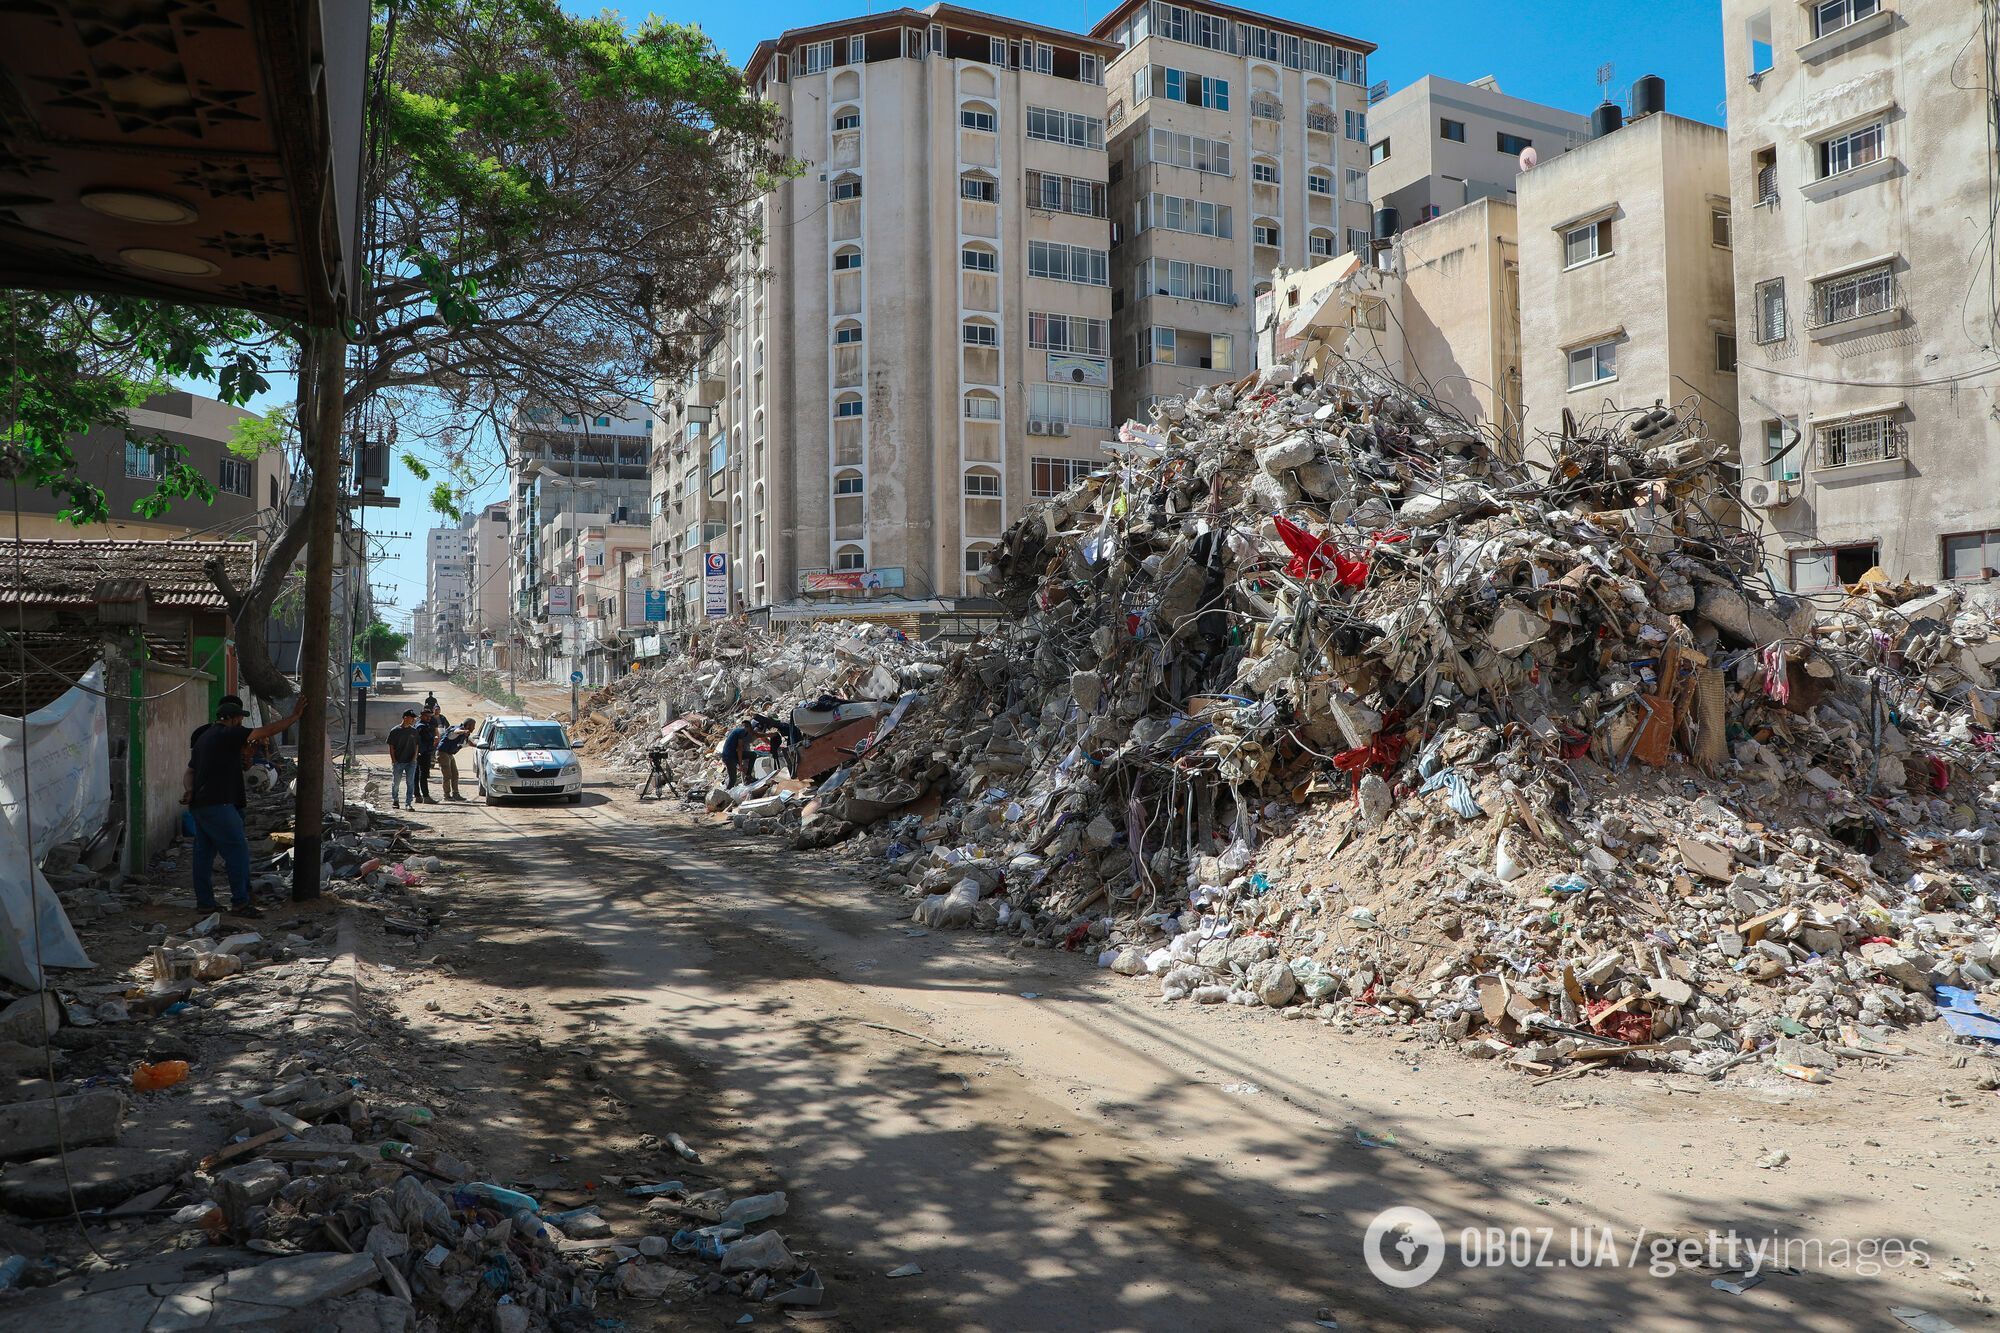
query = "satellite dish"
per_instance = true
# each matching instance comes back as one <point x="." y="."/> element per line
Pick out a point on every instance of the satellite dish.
<point x="1528" y="158"/>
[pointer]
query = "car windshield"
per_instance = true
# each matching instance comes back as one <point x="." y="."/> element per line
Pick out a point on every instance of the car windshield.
<point x="530" y="736"/>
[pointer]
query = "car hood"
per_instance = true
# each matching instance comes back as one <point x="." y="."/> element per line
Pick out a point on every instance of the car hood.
<point x="528" y="758"/>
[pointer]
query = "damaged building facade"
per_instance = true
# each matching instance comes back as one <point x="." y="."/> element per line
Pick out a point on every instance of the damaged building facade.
<point x="1862" y="163"/>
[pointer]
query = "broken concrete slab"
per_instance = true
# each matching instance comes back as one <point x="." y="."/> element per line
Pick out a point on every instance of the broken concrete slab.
<point x="101" y="1177"/>
<point x="29" y="1129"/>
<point x="31" y="1019"/>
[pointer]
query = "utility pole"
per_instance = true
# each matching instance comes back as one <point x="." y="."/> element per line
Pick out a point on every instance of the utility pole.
<point x="328" y="368"/>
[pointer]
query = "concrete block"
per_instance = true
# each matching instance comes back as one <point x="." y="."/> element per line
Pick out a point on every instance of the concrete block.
<point x="28" y="1129"/>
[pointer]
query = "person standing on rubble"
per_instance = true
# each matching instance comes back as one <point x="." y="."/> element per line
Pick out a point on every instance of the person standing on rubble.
<point x="447" y="754"/>
<point x="734" y="752"/>
<point x="215" y="799"/>
<point x="403" y="761"/>
<point x="784" y="738"/>
<point x="427" y="739"/>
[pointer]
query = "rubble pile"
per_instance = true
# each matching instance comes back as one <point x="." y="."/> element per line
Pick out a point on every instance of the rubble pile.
<point x="1318" y="700"/>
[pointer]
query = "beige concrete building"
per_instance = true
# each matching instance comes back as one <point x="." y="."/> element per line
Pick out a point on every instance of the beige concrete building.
<point x="1440" y="309"/>
<point x="920" y="338"/>
<point x="1626" y="295"/>
<point x="486" y="619"/>
<point x="1865" y="178"/>
<point x="1438" y="145"/>
<point x="1239" y="146"/>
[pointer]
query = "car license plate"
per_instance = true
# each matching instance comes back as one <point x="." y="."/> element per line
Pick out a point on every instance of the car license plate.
<point x="537" y="786"/>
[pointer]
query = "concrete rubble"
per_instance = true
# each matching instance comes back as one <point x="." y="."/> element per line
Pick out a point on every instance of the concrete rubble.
<point x="1317" y="699"/>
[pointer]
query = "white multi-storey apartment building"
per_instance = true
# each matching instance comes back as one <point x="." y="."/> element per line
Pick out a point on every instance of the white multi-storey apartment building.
<point x="918" y="340"/>
<point x="1438" y="145"/>
<point x="445" y="551"/>
<point x="1864" y="174"/>
<point x="486" y="584"/>
<point x="1239" y="145"/>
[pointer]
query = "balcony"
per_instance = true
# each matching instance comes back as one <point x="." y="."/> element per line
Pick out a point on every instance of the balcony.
<point x="1860" y="447"/>
<point x="1266" y="108"/>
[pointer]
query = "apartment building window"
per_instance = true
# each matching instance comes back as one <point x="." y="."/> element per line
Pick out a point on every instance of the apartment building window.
<point x="1069" y="263"/>
<point x="1718" y="227"/>
<point x="1583" y="244"/>
<point x="1357" y="240"/>
<point x="1193" y="282"/>
<point x="979" y="189"/>
<point x="1264" y="233"/>
<point x="1264" y="173"/>
<point x="1048" y="477"/>
<point x="1318" y="182"/>
<point x="982" y="485"/>
<point x="1062" y="402"/>
<point x="1065" y="194"/>
<point x="1772" y="316"/>
<point x="140" y="461"/>
<point x="1846" y="152"/>
<point x="1858" y="440"/>
<point x="857" y="50"/>
<point x="234" y="476"/>
<point x="1179" y="86"/>
<point x="847" y="335"/>
<point x="1356" y="125"/>
<point x="1725" y="353"/>
<point x="1970" y="555"/>
<point x="1209" y="156"/>
<point x="1593" y="364"/>
<point x="1198" y="217"/>
<point x="1179" y="347"/>
<point x="1513" y="144"/>
<point x="849" y="559"/>
<point x="568" y="420"/>
<point x="1320" y="244"/>
<point x="1044" y="58"/>
<point x="1351" y="67"/>
<point x="847" y="187"/>
<point x="1757" y="34"/>
<point x="848" y="483"/>
<point x="847" y="409"/>
<point x="1451" y="130"/>
<point x="1069" y="333"/>
<point x="1355" y="184"/>
<point x="974" y="117"/>
<point x="1065" y="127"/>
<point x="979" y="335"/>
<point x="1830" y="16"/>
<point x="1824" y="568"/>
<point x="981" y="407"/>
<point x="1090" y="69"/>
<point x="1765" y="166"/>
<point x="1871" y="291"/>
<point x="819" y="57"/>
<point x="846" y="260"/>
<point x="976" y="260"/>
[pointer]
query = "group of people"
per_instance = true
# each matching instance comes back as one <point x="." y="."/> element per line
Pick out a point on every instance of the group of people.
<point x="219" y="752"/>
<point x="425" y="736"/>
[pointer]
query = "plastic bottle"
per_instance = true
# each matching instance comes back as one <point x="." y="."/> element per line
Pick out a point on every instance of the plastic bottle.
<point x="11" y="1269"/>
<point x="154" y="1078"/>
<point x="506" y="1200"/>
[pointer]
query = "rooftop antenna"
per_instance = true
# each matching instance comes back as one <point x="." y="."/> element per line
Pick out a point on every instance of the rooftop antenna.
<point x="1604" y="73"/>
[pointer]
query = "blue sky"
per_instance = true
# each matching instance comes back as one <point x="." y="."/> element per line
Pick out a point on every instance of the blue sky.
<point x="1545" y="52"/>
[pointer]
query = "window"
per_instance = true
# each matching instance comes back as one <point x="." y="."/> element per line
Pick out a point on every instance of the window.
<point x="1853" y="296"/>
<point x="1765" y="164"/>
<point x="982" y="407"/>
<point x="1378" y="151"/>
<point x="1196" y="216"/>
<point x="1052" y="476"/>
<point x="568" y="420"/>
<point x="1318" y="182"/>
<point x="847" y="408"/>
<point x="1757" y="34"/>
<point x="1194" y="282"/>
<point x="1593" y="364"/>
<point x="847" y="483"/>
<point x="1718" y="227"/>
<point x="1858" y="440"/>
<point x="1209" y="156"/>
<point x="847" y="335"/>
<point x="848" y="118"/>
<point x="980" y="189"/>
<point x="718" y="455"/>
<point x="847" y="187"/>
<point x="1971" y="555"/>
<point x="234" y="476"/>
<point x="1065" y="194"/>
<point x="982" y="486"/>
<point x="1355" y="184"/>
<point x="979" y="335"/>
<point x="1725" y="353"/>
<point x="819" y="57"/>
<point x="1320" y="244"/>
<point x="1069" y="263"/>
<point x="1356" y="125"/>
<point x="1775" y="467"/>
<point x="1513" y="144"/>
<point x="1263" y="106"/>
<point x="1065" y="127"/>
<point x="1069" y="333"/>
<point x="1090" y="69"/>
<point x="1771" y="314"/>
<point x="1846" y="152"/>
<point x="1585" y="243"/>
<point x="1179" y="86"/>
<point x="1453" y="130"/>
<point x="1823" y="568"/>
<point x="1062" y="402"/>
<point x="977" y="118"/>
<point x="1264" y="233"/>
<point x="978" y="261"/>
<point x="1830" y="16"/>
<point x="140" y="461"/>
<point x="857" y="50"/>
<point x="849" y="559"/>
<point x="1357" y="240"/>
<point x="1264" y="173"/>
<point x="975" y="557"/>
<point x="846" y="260"/>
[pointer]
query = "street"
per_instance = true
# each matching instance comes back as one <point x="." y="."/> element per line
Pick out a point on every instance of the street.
<point x="1056" y="1149"/>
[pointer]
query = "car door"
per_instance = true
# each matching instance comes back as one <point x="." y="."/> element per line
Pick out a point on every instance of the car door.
<point x="483" y="772"/>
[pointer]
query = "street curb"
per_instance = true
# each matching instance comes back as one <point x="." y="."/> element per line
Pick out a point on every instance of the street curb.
<point x="345" y="974"/>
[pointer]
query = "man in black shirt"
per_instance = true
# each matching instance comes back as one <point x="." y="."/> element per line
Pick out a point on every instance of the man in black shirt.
<point x="427" y="738"/>
<point x="214" y="798"/>
<point x="403" y="761"/>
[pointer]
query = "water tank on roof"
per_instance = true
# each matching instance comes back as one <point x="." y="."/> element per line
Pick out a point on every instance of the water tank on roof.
<point x="1387" y="224"/>
<point x="1605" y="119"/>
<point x="1649" y="96"/>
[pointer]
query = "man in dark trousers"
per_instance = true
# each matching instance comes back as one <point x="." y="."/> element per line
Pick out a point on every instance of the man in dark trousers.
<point x="427" y="739"/>
<point x="403" y="761"/>
<point x="735" y="751"/>
<point x="449" y="745"/>
<point x="214" y="797"/>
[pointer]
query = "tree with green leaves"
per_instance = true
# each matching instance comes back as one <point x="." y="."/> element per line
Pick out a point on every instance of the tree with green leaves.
<point x="379" y="643"/>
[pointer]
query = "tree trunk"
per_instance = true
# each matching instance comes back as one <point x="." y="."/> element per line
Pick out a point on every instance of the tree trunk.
<point x="327" y="349"/>
<point x="250" y="608"/>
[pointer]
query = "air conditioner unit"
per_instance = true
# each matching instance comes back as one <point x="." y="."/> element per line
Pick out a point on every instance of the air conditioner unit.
<point x="1770" y="493"/>
<point x="1058" y="428"/>
<point x="1037" y="427"/>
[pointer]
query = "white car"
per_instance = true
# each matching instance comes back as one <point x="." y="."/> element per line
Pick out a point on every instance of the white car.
<point x="525" y="756"/>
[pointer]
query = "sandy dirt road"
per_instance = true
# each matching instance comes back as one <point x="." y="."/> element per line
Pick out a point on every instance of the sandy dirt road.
<point x="1060" y="1150"/>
